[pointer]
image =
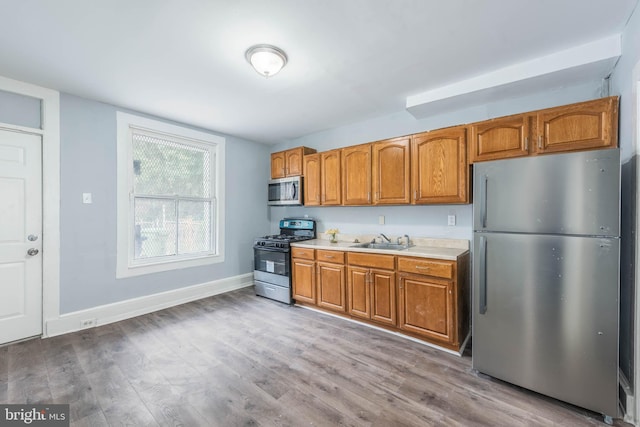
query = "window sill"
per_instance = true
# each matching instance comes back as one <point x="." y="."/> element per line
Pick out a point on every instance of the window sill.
<point x="123" y="271"/>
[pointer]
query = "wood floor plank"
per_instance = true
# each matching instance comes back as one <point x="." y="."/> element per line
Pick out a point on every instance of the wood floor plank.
<point x="96" y="419"/>
<point x="236" y="359"/>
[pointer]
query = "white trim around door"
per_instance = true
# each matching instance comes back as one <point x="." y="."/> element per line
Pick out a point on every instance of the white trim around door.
<point x="50" y="131"/>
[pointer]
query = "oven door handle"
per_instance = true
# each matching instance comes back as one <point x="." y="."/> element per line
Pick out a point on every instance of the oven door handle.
<point x="262" y="248"/>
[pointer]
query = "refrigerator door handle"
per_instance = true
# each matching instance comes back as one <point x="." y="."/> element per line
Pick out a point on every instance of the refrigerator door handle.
<point x="482" y="263"/>
<point x="483" y="201"/>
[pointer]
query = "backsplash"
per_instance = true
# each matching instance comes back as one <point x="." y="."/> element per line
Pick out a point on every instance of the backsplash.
<point x="425" y="221"/>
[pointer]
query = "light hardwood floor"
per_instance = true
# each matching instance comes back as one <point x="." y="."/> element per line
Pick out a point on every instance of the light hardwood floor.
<point x="241" y="360"/>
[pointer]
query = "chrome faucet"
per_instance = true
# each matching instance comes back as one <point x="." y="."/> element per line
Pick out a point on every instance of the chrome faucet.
<point x="385" y="238"/>
<point x="399" y="240"/>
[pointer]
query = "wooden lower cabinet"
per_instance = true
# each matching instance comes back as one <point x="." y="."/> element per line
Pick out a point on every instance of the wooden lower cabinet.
<point x="331" y="286"/>
<point x="303" y="268"/>
<point x="433" y="299"/>
<point x="426" y="307"/>
<point x="383" y="297"/>
<point x="422" y="297"/>
<point x="358" y="292"/>
<point x="371" y="292"/>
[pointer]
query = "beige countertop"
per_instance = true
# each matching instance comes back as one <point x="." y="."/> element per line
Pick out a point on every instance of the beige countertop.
<point x="447" y="249"/>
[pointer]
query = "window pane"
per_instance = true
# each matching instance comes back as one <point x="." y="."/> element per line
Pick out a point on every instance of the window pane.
<point x="163" y="167"/>
<point x="194" y="226"/>
<point x="155" y="228"/>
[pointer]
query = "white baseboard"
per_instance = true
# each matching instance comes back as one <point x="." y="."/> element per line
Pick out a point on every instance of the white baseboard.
<point x="109" y="313"/>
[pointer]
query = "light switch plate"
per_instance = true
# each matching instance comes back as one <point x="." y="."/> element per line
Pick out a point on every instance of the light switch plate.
<point x="451" y="220"/>
<point x="86" y="198"/>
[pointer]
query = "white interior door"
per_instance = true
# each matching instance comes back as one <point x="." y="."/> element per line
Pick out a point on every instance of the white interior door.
<point x="20" y="236"/>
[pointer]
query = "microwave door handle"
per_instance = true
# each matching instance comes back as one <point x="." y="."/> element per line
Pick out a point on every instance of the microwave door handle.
<point x="293" y="191"/>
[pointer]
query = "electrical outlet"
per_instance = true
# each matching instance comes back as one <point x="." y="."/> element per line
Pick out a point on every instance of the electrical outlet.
<point x="89" y="323"/>
<point x="451" y="220"/>
<point x="381" y="220"/>
<point x="86" y="198"/>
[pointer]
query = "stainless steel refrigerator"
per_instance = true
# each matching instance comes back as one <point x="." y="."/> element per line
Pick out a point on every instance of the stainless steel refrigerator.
<point x="546" y="275"/>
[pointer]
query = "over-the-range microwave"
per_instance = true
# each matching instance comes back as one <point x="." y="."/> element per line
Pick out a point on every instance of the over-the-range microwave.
<point x="285" y="191"/>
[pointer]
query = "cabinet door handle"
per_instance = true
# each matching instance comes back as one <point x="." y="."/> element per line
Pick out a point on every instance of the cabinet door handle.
<point x="540" y="141"/>
<point x="329" y="256"/>
<point x="419" y="267"/>
<point x="526" y="143"/>
<point x="415" y="194"/>
<point x="368" y="196"/>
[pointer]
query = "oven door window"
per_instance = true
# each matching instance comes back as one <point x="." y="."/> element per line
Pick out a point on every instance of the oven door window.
<point x="271" y="261"/>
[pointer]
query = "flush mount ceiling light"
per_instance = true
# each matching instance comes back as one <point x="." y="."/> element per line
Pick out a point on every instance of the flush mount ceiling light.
<point x="267" y="60"/>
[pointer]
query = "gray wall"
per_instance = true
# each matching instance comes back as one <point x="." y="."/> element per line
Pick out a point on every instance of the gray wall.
<point x="20" y="110"/>
<point x="88" y="231"/>
<point x="623" y="83"/>
<point x="421" y="221"/>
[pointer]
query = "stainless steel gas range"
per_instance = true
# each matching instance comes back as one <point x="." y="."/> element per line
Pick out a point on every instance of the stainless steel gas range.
<point x="272" y="258"/>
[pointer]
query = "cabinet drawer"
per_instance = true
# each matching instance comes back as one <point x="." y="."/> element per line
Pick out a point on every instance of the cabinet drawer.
<point x="372" y="260"/>
<point x="303" y="253"/>
<point x="426" y="266"/>
<point x="336" y="257"/>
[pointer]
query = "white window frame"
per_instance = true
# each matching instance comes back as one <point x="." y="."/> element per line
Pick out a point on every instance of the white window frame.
<point x="126" y="265"/>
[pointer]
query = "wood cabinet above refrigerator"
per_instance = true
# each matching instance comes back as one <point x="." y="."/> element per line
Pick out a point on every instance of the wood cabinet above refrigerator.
<point x="576" y="127"/>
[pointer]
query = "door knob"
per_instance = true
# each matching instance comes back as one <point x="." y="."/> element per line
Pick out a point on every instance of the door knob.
<point x="32" y="238"/>
<point x="32" y="252"/>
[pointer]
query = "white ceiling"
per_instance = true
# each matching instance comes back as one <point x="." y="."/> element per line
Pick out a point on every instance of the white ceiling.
<point x="349" y="60"/>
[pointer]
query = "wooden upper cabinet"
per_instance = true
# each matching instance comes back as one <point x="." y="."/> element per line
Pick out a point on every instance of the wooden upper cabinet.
<point x="330" y="182"/>
<point x="311" y="182"/>
<point x="289" y="162"/>
<point x="391" y="171"/>
<point x="581" y="126"/>
<point x="356" y="175"/>
<point x="277" y="165"/>
<point x="439" y="166"/>
<point x="500" y="138"/>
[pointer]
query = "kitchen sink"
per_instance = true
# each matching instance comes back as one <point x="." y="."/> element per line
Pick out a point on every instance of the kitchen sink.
<point x="388" y="246"/>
